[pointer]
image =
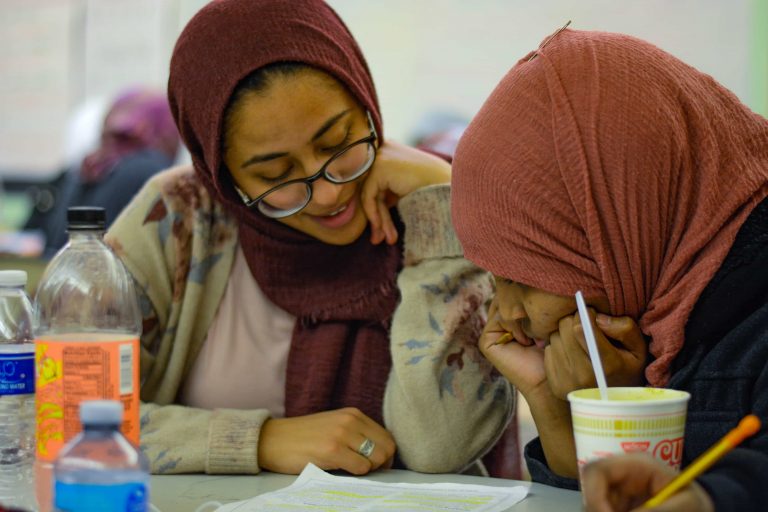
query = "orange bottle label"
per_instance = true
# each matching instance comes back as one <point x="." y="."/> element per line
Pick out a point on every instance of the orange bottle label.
<point x="69" y="370"/>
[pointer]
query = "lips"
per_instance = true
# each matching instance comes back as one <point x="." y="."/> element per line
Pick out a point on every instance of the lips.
<point x="338" y="217"/>
<point x="524" y="339"/>
<point x="520" y="335"/>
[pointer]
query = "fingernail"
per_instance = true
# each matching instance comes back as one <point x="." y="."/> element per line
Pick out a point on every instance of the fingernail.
<point x="603" y="320"/>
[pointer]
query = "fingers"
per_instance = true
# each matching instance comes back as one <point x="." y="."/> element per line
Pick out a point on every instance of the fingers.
<point x="597" y="486"/>
<point x="623" y="362"/>
<point x="387" y="226"/>
<point x="330" y="440"/>
<point x="374" y="202"/>
<point x="603" y="345"/>
<point x="623" y="482"/>
<point x="567" y="364"/>
<point x="625" y="330"/>
<point x="377" y="456"/>
<point x="493" y="333"/>
<point x="371" y="209"/>
<point x="365" y="428"/>
<point x="693" y="498"/>
<point x="614" y="484"/>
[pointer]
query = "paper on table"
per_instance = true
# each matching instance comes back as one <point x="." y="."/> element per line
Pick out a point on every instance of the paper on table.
<point x="318" y="490"/>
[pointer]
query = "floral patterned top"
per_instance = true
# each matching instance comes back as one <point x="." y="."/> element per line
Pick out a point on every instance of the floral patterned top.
<point x="443" y="403"/>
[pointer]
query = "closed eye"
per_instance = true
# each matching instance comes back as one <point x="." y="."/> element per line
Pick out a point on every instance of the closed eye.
<point x="276" y="179"/>
<point x="338" y="147"/>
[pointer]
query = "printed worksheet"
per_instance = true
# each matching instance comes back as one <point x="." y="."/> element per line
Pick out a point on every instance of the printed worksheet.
<point x="317" y="490"/>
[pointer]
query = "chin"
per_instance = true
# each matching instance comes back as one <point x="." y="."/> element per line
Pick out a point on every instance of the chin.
<point x="345" y="236"/>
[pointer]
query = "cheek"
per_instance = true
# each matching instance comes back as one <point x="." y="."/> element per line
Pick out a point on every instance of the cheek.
<point x="545" y="316"/>
<point x="541" y="316"/>
<point x="504" y="300"/>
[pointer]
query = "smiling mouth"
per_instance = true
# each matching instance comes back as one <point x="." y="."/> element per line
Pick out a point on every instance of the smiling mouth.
<point x="339" y="217"/>
<point x="336" y="211"/>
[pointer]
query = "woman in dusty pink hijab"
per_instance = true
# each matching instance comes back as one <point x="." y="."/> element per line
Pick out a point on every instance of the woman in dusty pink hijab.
<point x="606" y="165"/>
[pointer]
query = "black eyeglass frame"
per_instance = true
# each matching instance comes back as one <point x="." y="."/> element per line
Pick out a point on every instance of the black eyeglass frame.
<point x="279" y="214"/>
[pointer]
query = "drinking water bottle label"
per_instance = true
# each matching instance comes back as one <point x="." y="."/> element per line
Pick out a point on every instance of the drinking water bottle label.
<point x="17" y="373"/>
<point x="71" y="370"/>
<point x="125" y="497"/>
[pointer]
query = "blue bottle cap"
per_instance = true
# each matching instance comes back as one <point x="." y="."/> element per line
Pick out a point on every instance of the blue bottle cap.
<point x="101" y="412"/>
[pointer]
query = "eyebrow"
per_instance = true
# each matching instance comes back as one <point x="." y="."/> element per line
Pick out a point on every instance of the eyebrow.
<point x="319" y="133"/>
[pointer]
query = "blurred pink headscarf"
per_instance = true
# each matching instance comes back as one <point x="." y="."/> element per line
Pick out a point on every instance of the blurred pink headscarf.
<point x="139" y="119"/>
<point x="610" y="166"/>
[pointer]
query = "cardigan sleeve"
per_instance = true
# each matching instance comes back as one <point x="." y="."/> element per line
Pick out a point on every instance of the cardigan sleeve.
<point x="443" y="403"/>
<point x="179" y="246"/>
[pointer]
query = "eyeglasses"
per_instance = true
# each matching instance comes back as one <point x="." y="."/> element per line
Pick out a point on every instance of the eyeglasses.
<point x="350" y="163"/>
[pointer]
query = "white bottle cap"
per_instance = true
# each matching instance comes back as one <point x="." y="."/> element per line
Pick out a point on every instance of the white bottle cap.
<point x="101" y="412"/>
<point x="13" y="278"/>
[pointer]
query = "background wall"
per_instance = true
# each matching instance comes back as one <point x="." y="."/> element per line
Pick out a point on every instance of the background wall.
<point x="426" y="55"/>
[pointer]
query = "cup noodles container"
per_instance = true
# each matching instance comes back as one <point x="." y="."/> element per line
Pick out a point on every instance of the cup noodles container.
<point x="633" y="419"/>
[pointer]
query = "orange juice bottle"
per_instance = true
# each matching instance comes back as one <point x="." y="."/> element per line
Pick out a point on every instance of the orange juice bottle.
<point x="86" y="336"/>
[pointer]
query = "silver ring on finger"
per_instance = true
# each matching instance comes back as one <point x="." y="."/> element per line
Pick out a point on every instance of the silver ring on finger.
<point x="366" y="448"/>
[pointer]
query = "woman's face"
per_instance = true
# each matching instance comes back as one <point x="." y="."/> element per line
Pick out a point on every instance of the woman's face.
<point x="533" y="315"/>
<point x="288" y="131"/>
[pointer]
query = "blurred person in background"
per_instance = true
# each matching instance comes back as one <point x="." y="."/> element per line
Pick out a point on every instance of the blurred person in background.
<point x="138" y="138"/>
<point x="439" y="133"/>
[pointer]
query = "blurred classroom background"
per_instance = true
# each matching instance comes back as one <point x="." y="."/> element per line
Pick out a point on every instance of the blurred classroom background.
<point x="63" y="62"/>
<point x="434" y="62"/>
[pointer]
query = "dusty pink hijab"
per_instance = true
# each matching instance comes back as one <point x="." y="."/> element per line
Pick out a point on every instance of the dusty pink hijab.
<point x="610" y="166"/>
<point x="139" y="119"/>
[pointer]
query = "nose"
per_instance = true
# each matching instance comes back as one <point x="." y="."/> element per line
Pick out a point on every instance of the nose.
<point x="517" y="312"/>
<point x="325" y="193"/>
<point x="510" y="298"/>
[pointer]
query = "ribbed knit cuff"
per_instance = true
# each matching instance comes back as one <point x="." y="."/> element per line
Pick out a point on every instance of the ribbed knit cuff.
<point x="233" y="441"/>
<point x="539" y="470"/>
<point x="429" y="233"/>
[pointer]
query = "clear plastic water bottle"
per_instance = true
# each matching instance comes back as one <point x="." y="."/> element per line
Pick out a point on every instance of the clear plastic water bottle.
<point x="87" y="335"/>
<point x="100" y="470"/>
<point x="87" y="327"/>
<point x="17" y="392"/>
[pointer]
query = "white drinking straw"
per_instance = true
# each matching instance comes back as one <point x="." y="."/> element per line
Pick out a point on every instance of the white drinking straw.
<point x="594" y="355"/>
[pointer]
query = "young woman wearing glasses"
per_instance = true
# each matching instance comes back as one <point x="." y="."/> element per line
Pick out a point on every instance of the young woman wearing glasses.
<point x="291" y="313"/>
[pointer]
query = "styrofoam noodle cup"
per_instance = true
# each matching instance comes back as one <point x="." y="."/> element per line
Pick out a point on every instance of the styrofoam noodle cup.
<point x="633" y="419"/>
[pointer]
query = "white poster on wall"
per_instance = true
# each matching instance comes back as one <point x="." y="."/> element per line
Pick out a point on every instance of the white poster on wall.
<point x="36" y="91"/>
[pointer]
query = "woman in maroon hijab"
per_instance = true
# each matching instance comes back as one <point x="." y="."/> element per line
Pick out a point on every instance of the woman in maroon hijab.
<point x="292" y="314"/>
<point x="606" y="165"/>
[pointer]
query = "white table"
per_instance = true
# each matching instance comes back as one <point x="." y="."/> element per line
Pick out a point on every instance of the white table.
<point x="184" y="493"/>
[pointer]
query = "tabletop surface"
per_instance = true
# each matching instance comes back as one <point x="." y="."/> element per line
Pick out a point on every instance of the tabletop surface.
<point x="185" y="493"/>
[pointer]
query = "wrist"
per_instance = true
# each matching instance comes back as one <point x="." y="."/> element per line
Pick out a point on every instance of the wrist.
<point x="552" y="417"/>
<point x="267" y="446"/>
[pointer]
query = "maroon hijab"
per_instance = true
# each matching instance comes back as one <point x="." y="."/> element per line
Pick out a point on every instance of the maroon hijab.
<point x="610" y="166"/>
<point x="343" y="296"/>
